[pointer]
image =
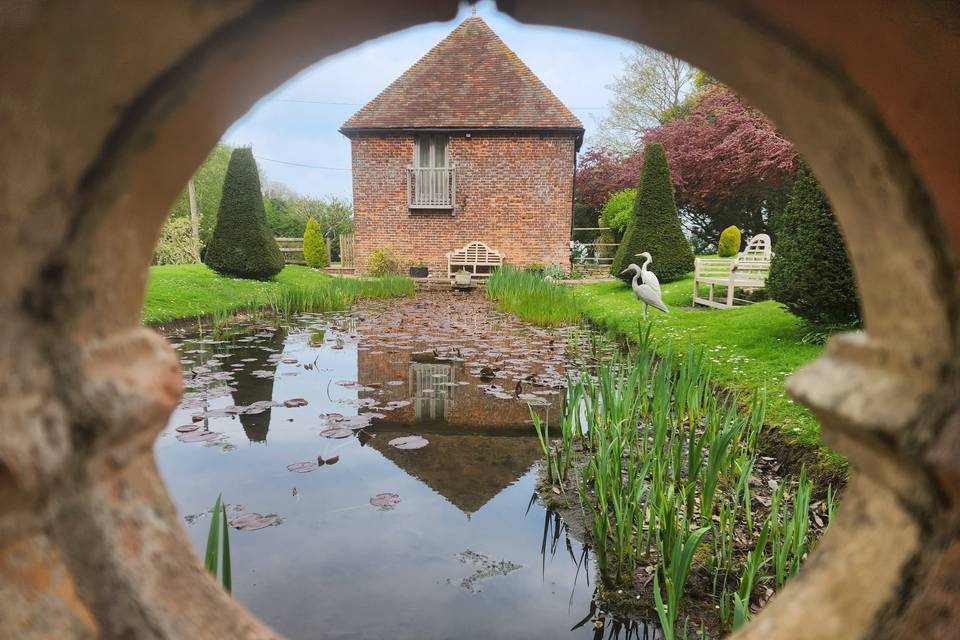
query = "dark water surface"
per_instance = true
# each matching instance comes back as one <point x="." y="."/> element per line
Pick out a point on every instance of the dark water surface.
<point x="465" y="553"/>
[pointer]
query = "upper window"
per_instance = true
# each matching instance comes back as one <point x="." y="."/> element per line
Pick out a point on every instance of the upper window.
<point x="431" y="182"/>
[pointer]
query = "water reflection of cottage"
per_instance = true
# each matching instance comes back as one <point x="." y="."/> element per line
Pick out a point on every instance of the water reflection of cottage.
<point x="431" y="388"/>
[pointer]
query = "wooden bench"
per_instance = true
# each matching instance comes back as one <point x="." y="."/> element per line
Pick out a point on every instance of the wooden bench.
<point x="476" y="258"/>
<point x="748" y="271"/>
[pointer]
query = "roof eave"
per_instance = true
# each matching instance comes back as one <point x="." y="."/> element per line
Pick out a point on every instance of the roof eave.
<point x="576" y="132"/>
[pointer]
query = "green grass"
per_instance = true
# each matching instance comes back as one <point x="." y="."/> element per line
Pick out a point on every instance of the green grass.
<point x="750" y="347"/>
<point x="531" y="297"/>
<point x="187" y="291"/>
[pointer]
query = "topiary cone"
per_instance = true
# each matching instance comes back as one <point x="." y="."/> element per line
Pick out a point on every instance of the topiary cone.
<point x="655" y="226"/>
<point x="242" y="244"/>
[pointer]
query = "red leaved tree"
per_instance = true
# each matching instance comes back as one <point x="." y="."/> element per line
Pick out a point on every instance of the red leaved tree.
<point x="728" y="163"/>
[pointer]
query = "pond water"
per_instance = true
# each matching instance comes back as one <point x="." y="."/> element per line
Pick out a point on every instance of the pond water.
<point x="458" y="547"/>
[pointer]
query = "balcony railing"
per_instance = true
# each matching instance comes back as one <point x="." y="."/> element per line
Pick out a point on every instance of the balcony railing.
<point x="431" y="188"/>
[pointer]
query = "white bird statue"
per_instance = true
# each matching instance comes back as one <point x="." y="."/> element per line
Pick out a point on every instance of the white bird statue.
<point x="649" y="291"/>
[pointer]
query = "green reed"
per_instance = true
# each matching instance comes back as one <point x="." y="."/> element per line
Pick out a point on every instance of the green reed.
<point x="217" y="555"/>
<point x="533" y="298"/>
<point x="667" y="468"/>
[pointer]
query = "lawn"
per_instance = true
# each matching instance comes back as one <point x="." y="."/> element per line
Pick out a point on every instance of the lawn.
<point x="190" y="290"/>
<point x="755" y="346"/>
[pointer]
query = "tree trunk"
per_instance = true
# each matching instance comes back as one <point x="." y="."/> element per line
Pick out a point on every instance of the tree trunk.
<point x="194" y="219"/>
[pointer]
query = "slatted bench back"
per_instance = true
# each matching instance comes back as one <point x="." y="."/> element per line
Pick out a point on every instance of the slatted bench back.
<point x="759" y="249"/>
<point x="476" y="257"/>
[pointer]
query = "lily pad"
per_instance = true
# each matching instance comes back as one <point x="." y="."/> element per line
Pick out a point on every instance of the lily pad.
<point x="295" y="402"/>
<point x="253" y="521"/>
<point x="385" y="501"/>
<point x="302" y="467"/>
<point x="203" y="436"/>
<point x="409" y="442"/>
<point x="187" y="428"/>
<point x="337" y="433"/>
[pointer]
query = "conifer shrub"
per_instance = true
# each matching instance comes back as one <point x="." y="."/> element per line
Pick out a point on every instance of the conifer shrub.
<point x="810" y="272"/>
<point x="242" y="244"/>
<point x="314" y="246"/>
<point x="655" y="226"/>
<point x="729" y="244"/>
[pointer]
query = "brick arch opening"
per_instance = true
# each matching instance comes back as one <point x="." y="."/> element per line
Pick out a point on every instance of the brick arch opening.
<point x="106" y="112"/>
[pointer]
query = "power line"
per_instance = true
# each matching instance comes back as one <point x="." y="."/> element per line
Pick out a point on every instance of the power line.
<point x="300" y="164"/>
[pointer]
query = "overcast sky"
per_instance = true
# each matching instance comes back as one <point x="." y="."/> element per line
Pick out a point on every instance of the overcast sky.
<point x="576" y="65"/>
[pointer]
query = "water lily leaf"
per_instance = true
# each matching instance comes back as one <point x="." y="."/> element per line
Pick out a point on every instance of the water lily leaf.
<point x="302" y="467"/>
<point x="295" y="402"/>
<point x="187" y="428"/>
<point x="335" y="417"/>
<point x="253" y="521"/>
<point x="385" y="501"/>
<point x="337" y="433"/>
<point x="409" y="442"/>
<point x="202" y="436"/>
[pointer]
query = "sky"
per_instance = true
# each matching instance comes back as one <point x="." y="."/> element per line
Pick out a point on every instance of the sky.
<point x="299" y="122"/>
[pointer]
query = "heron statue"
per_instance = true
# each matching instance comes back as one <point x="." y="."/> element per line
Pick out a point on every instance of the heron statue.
<point x="648" y="291"/>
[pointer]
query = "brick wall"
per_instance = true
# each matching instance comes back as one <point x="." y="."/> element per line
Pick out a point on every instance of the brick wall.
<point x="514" y="193"/>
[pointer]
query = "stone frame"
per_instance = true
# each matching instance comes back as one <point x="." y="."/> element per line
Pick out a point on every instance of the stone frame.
<point x="89" y="542"/>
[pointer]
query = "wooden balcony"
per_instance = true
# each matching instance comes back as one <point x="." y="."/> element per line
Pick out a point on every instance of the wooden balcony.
<point x="431" y="188"/>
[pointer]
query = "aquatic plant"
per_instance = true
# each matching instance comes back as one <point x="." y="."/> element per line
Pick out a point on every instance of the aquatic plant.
<point x="531" y="297"/>
<point x="217" y="555"/>
<point x="668" y="462"/>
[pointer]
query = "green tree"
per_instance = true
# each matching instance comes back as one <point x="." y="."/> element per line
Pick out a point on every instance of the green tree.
<point x="655" y="227"/>
<point x="617" y="212"/>
<point x="314" y="246"/>
<point x="810" y="272"/>
<point x="242" y="244"/>
<point x="651" y="91"/>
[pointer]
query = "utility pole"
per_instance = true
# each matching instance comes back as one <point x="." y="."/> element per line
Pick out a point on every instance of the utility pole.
<point x="194" y="219"/>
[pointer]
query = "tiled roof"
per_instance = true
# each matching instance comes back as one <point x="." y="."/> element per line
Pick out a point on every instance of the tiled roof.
<point x="469" y="80"/>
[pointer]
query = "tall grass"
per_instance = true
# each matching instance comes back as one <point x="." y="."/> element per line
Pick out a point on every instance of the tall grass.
<point x="532" y="297"/>
<point x="331" y="294"/>
<point x="665" y="481"/>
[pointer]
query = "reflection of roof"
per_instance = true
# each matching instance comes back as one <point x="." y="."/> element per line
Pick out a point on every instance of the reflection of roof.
<point x="471" y="79"/>
<point x="466" y="468"/>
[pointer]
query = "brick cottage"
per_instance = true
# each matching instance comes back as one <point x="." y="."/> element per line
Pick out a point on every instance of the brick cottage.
<point x="467" y="145"/>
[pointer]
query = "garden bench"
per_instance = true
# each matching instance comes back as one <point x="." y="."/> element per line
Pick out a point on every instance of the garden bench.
<point x="476" y="258"/>
<point x="748" y="271"/>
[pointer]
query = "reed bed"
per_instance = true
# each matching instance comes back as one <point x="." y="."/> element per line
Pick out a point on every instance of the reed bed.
<point x="662" y="460"/>
<point x="331" y="294"/>
<point x="532" y="297"/>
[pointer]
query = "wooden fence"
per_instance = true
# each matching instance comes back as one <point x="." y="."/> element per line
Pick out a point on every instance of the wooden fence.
<point x="596" y="252"/>
<point x="346" y="250"/>
<point x="292" y="249"/>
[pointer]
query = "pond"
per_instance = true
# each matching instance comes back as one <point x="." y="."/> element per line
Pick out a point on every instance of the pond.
<point x="444" y="540"/>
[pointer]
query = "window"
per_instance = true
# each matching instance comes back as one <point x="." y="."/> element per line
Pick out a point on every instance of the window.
<point x="431" y="182"/>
